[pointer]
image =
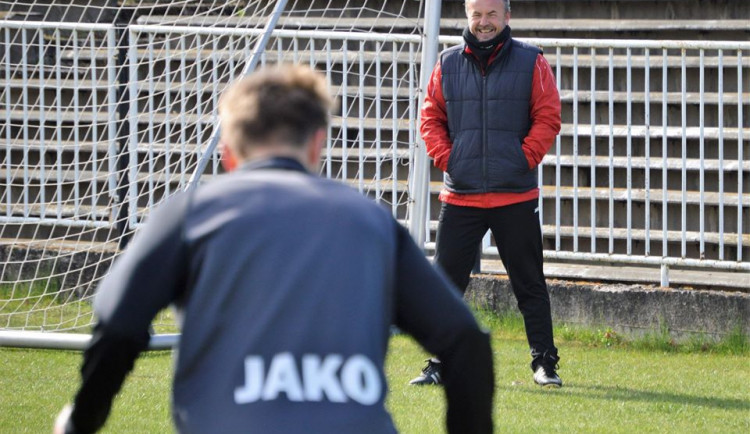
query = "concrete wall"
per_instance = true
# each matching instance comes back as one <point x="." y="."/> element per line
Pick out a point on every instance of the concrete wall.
<point x="630" y="309"/>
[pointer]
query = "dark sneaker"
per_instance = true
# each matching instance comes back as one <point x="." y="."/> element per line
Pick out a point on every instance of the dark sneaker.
<point x="430" y="374"/>
<point x="546" y="376"/>
<point x="545" y="368"/>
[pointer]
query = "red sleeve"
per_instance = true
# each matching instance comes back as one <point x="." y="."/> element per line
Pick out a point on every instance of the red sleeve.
<point x="544" y="113"/>
<point x="434" y="124"/>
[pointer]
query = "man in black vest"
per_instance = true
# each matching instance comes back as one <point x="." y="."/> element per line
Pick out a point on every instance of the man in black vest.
<point x="491" y="113"/>
<point x="285" y="285"/>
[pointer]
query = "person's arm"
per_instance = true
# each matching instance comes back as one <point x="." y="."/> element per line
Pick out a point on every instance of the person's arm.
<point x="544" y="113"/>
<point x="146" y="278"/>
<point x="430" y="309"/>
<point x="434" y="122"/>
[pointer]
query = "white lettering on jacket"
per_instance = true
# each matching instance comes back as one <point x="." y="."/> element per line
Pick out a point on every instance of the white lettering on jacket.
<point x="316" y="379"/>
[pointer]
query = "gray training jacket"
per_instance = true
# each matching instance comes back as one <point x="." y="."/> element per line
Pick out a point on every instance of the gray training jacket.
<point x="285" y="285"/>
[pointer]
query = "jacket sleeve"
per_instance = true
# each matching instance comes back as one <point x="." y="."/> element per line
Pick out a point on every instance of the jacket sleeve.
<point x="431" y="309"/>
<point x="544" y="113"/>
<point x="146" y="278"/>
<point x="434" y="122"/>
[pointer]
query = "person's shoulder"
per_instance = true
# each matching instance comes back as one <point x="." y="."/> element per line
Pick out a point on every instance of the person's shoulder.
<point x="459" y="47"/>
<point x="456" y="49"/>
<point x="526" y="46"/>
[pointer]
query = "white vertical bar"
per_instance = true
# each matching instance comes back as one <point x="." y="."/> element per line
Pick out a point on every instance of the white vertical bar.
<point x="8" y="137"/>
<point x="168" y="115"/>
<point x="94" y="126"/>
<point x="215" y="97"/>
<point x="740" y="156"/>
<point x="575" y="149"/>
<point x="329" y="139"/>
<point x="344" y="110"/>
<point x="558" y="62"/>
<point x="295" y="50"/>
<point x="311" y="45"/>
<point x="133" y="132"/>
<point x="42" y="133"/>
<point x="378" y="88"/>
<point x="361" y="120"/>
<point x="720" y="92"/>
<point x="420" y="185"/>
<point x="683" y="113"/>
<point x="246" y="51"/>
<point x="150" y="101"/>
<point x="540" y="199"/>
<point x="198" y="99"/>
<point x="629" y="152"/>
<point x="611" y="164"/>
<point x="701" y="150"/>
<point x="112" y="123"/>
<point x="647" y="152"/>
<point x="76" y="131"/>
<point x="58" y="123"/>
<point x="419" y="228"/>
<point x="394" y="132"/>
<point x="664" y="276"/>
<point x="664" y="154"/>
<point x="25" y="102"/>
<point x="183" y="109"/>
<point x="592" y="140"/>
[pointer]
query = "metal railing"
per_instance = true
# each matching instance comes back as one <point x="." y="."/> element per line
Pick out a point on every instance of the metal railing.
<point x="617" y="163"/>
<point x="51" y="122"/>
<point x="650" y="167"/>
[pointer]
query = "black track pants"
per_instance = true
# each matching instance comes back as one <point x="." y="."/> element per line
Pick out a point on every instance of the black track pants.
<point x="519" y="242"/>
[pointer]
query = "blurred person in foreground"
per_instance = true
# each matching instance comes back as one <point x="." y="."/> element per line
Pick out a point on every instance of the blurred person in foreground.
<point x="490" y="114"/>
<point x="285" y="286"/>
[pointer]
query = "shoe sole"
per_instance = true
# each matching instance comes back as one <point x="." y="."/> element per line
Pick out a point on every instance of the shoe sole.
<point x="550" y="386"/>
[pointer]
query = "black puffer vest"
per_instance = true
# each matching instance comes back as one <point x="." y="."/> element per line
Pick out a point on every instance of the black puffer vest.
<point x="488" y="118"/>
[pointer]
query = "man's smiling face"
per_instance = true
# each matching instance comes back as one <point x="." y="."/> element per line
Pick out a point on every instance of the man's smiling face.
<point x="487" y="18"/>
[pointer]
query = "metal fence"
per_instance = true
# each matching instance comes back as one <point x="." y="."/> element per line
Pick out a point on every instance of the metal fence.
<point x="650" y="166"/>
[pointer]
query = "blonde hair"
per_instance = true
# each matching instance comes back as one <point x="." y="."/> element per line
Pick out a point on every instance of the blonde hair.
<point x="281" y="105"/>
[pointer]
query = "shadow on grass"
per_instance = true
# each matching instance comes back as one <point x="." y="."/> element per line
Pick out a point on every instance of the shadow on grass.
<point x="625" y="394"/>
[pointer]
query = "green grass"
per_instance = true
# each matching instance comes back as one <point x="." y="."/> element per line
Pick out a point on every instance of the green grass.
<point x="41" y="305"/>
<point x="612" y="384"/>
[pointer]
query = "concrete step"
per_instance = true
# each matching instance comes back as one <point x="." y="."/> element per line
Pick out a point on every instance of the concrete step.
<point x="686" y="278"/>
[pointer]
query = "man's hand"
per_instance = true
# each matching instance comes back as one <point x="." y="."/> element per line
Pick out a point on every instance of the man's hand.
<point x="62" y="419"/>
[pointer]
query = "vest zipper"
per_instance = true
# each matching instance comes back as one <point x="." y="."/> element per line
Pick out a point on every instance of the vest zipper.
<point x="485" y="149"/>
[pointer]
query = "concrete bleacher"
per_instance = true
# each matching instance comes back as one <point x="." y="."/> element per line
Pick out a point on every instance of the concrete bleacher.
<point x="725" y="20"/>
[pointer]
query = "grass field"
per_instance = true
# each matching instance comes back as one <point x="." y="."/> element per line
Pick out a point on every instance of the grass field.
<point x="611" y="385"/>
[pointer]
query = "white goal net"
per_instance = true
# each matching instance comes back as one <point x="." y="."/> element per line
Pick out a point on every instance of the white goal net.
<point x="107" y="108"/>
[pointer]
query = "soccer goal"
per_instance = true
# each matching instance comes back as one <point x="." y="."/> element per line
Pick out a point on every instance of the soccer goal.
<point x="107" y="107"/>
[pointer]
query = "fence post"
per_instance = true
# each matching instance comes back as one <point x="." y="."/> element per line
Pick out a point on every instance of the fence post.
<point x="420" y="176"/>
<point x="664" y="275"/>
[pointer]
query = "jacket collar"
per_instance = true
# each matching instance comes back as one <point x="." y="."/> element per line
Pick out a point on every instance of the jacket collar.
<point x="282" y="163"/>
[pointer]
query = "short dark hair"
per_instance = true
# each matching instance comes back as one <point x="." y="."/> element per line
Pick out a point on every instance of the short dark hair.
<point x="284" y="104"/>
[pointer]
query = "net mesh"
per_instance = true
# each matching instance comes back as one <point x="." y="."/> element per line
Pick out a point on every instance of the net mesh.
<point x="107" y="109"/>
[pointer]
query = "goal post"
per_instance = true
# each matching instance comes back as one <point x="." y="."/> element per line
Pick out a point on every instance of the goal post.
<point x="107" y="109"/>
